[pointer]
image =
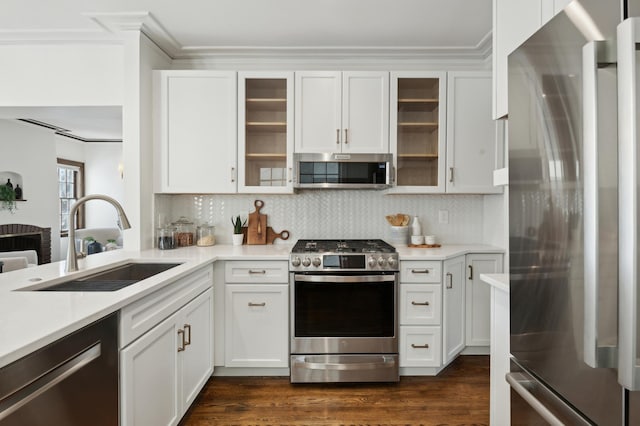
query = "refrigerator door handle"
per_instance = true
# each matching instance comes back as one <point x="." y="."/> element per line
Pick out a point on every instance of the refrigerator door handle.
<point x="628" y="39"/>
<point x="528" y="388"/>
<point x="595" y="56"/>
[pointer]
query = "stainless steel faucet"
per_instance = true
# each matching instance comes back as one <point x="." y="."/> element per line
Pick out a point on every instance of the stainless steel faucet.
<point x="72" y="258"/>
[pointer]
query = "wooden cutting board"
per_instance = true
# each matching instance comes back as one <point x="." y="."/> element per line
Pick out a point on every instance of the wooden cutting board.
<point x="272" y="235"/>
<point x="257" y="226"/>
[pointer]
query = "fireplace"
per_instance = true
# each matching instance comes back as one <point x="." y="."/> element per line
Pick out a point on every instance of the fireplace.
<point x="15" y="237"/>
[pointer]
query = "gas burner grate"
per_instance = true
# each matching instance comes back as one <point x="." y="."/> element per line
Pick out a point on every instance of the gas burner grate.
<point x="343" y="246"/>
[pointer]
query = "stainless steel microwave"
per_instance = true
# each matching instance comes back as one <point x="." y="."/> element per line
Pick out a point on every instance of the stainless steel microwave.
<point x="345" y="171"/>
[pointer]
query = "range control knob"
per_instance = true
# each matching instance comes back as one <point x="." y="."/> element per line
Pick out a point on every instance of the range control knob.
<point x="295" y="261"/>
<point x="371" y="261"/>
<point x="392" y="261"/>
<point x="306" y="261"/>
<point x="382" y="261"/>
<point x="316" y="261"/>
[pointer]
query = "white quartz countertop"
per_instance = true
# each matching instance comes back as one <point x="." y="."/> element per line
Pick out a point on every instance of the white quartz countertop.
<point x="499" y="281"/>
<point x="30" y="320"/>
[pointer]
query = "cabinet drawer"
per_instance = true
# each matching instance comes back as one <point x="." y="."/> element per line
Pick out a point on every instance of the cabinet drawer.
<point x="420" y="304"/>
<point x="142" y="315"/>
<point x="258" y="271"/>
<point x="415" y="271"/>
<point x="420" y="346"/>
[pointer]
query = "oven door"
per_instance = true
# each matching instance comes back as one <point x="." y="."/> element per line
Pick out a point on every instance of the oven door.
<point x="344" y="313"/>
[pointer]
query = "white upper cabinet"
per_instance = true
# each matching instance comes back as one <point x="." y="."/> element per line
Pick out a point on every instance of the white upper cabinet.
<point x="265" y="132"/>
<point x="344" y="112"/>
<point x="196" y="138"/>
<point x="417" y="121"/>
<point x="443" y="138"/>
<point x="471" y="134"/>
<point x="514" y="21"/>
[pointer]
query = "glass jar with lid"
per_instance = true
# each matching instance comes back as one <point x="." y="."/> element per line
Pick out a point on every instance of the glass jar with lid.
<point x="166" y="237"/>
<point x="185" y="230"/>
<point x="205" y="235"/>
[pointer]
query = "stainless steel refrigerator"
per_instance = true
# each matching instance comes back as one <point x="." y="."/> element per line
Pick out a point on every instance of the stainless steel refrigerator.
<point x="574" y="200"/>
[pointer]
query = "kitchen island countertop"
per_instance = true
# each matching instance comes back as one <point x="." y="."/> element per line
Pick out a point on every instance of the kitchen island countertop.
<point x="30" y="320"/>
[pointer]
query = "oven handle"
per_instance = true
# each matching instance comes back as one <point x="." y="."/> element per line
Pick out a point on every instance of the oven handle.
<point x="344" y="278"/>
<point x="385" y="362"/>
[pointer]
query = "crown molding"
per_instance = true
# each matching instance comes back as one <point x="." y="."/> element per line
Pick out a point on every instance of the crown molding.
<point x="479" y="52"/>
<point x="144" y="22"/>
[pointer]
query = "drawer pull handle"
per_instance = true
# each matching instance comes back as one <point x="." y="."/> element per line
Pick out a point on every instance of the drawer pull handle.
<point x="419" y="271"/>
<point x="425" y="346"/>
<point x="449" y="280"/>
<point x="261" y="272"/>
<point x="187" y="328"/>
<point x="257" y="304"/>
<point x="420" y="303"/>
<point x="181" y="333"/>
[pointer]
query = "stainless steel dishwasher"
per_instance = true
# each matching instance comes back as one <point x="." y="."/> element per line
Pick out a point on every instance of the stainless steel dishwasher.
<point x="72" y="381"/>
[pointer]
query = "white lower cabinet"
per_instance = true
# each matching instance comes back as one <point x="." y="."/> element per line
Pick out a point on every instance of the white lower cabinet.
<point x="478" y="297"/>
<point x="453" y="294"/>
<point x="420" y="302"/>
<point x="256" y="325"/>
<point x="149" y="377"/>
<point x="163" y="369"/>
<point x="444" y="309"/>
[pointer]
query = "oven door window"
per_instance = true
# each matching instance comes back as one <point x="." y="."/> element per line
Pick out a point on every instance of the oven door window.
<point x="344" y="309"/>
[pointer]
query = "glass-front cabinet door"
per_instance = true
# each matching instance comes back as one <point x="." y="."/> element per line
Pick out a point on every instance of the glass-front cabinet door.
<point x="265" y="132"/>
<point x="418" y="140"/>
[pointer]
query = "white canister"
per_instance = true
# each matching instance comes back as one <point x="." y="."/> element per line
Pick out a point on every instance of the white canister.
<point x="417" y="240"/>
<point x="430" y="239"/>
<point x="399" y="235"/>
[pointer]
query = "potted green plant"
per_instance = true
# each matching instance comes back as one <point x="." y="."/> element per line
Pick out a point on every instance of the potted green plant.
<point x="7" y="199"/>
<point x="237" y="236"/>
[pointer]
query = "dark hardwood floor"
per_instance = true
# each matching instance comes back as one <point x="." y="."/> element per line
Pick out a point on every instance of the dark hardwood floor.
<point x="459" y="395"/>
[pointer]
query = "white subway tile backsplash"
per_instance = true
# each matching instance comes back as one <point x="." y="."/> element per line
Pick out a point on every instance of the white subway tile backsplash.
<point x="332" y="213"/>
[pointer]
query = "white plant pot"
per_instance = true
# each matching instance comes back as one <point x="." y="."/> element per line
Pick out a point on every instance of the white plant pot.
<point x="237" y="239"/>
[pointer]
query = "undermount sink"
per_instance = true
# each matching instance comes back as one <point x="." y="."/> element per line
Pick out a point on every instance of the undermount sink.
<point x="112" y="279"/>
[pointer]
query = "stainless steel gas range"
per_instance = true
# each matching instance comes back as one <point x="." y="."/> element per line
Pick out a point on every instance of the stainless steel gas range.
<point x="344" y="315"/>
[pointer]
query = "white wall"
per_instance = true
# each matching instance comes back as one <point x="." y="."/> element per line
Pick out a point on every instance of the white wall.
<point x="102" y="176"/>
<point x="141" y="57"/>
<point x="31" y="152"/>
<point x="61" y="75"/>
